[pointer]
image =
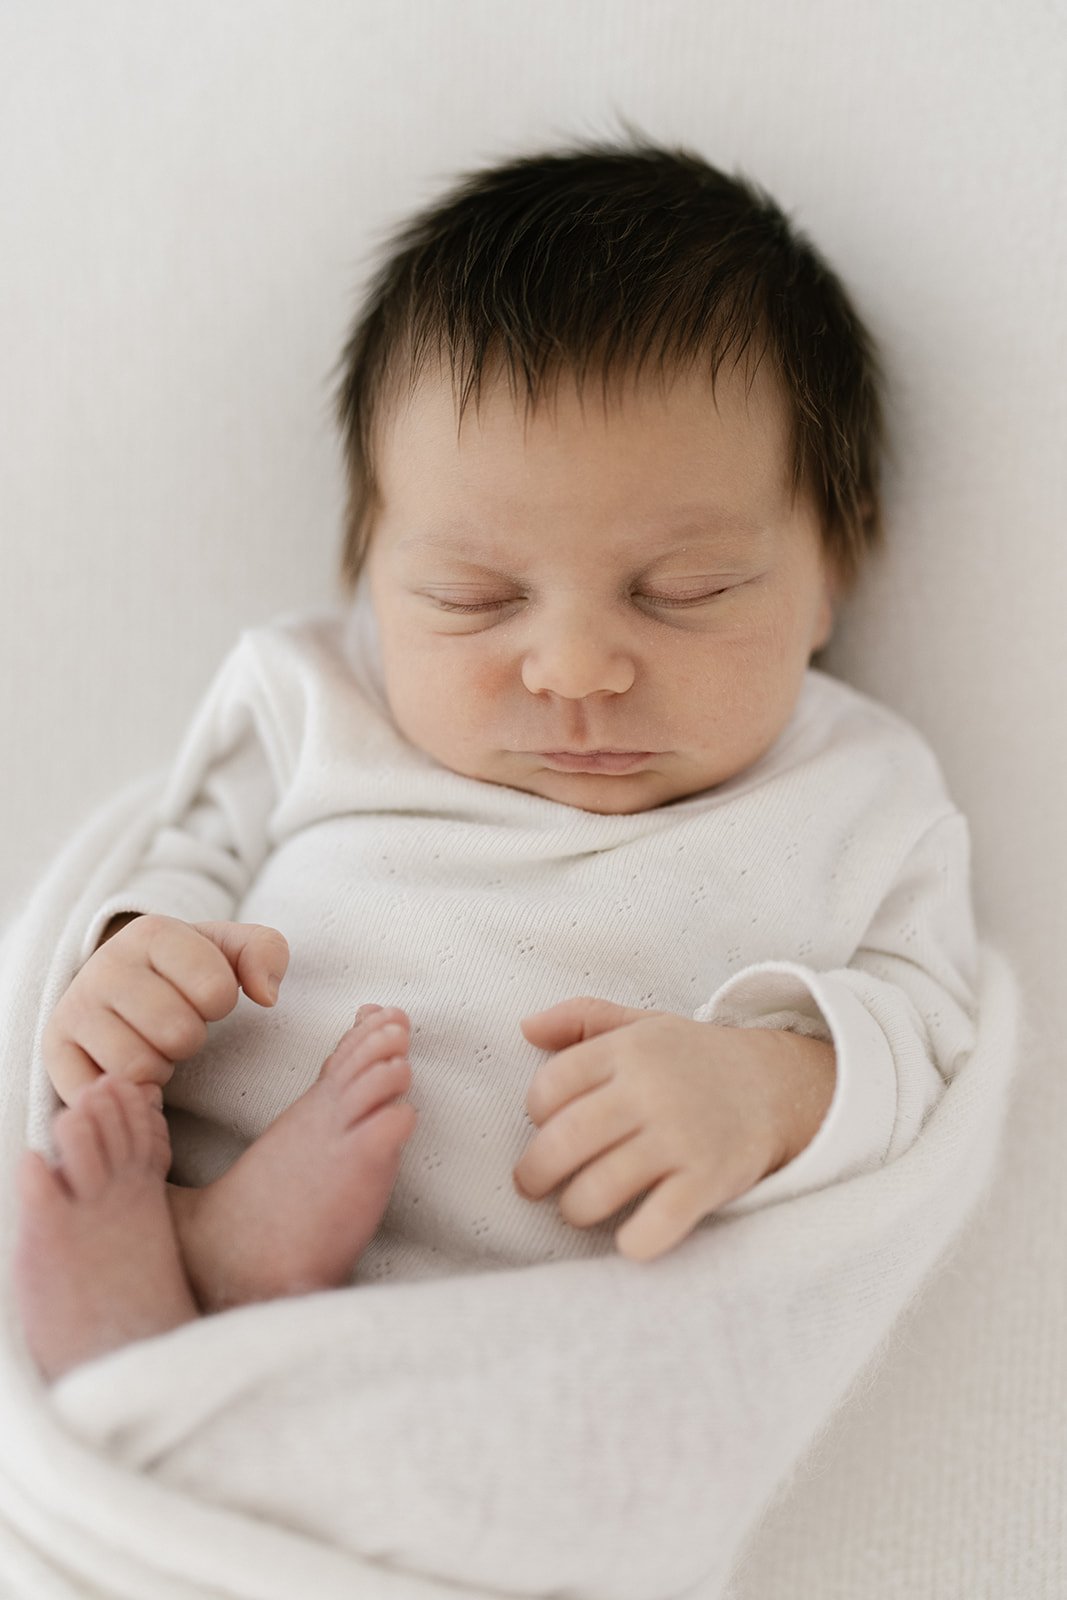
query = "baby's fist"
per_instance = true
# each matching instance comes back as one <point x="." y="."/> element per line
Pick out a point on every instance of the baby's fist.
<point x="143" y="1000"/>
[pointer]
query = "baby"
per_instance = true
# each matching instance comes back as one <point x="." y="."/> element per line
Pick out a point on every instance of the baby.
<point x="559" y="775"/>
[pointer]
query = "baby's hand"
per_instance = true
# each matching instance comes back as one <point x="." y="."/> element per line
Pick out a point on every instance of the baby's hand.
<point x="694" y="1112"/>
<point x="143" y="1000"/>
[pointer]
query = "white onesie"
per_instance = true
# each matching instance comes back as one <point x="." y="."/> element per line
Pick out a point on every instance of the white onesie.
<point x="824" y="889"/>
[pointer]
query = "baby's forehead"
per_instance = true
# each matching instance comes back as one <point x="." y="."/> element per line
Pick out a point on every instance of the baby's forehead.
<point x="431" y="410"/>
<point x="664" y="447"/>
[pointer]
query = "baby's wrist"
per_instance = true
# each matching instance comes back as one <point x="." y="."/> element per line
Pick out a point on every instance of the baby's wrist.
<point x="803" y="1079"/>
<point x="117" y="922"/>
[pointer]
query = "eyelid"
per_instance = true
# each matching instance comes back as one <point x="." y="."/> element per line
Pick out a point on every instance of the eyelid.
<point x="659" y="600"/>
<point x="689" y="599"/>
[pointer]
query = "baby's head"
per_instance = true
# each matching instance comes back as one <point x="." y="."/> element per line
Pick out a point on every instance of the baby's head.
<point x="612" y="433"/>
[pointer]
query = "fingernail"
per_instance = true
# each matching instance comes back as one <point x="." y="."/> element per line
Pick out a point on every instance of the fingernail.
<point x="272" y="989"/>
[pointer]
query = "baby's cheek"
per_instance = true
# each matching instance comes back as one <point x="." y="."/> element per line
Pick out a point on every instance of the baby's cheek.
<point x="766" y="665"/>
<point x="447" y="709"/>
<point x="470" y="696"/>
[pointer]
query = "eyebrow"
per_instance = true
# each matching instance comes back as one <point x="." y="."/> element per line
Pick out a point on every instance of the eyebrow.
<point x="698" y="527"/>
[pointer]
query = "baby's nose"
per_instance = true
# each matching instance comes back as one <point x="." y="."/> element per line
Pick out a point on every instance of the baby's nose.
<point x="574" y="662"/>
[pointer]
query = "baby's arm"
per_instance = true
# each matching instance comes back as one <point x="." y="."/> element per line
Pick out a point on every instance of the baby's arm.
<point x="212" y="819"/>
<point x="124" y="1013"/>
<point x="901" y="1016"/>
<point x="789" y="1079"/>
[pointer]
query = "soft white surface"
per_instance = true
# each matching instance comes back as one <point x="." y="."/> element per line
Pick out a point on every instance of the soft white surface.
<point x="191" y="192"/>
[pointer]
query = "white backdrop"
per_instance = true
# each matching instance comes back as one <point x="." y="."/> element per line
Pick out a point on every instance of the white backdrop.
<point x="191" y="192"/>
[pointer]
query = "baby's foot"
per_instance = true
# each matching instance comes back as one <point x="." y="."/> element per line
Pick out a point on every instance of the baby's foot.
<point x="295" y="1212"/>
<point x="96" y="1258"/>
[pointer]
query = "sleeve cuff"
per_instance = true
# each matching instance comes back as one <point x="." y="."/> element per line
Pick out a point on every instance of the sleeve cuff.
<point x="160" y="897"/>
<point x="856" y="1131"/>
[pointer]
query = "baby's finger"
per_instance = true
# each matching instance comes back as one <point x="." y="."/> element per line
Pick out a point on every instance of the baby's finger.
<point x="112" y="1046"/>
<point x="152" y="1007"/>
<point x="70" y="1070"/>
<point x="565" y="1076"/>
<point x="257" y="955"/>
<point x="192" y="963"/>
<point x="671" y="1211"/>
<point x="584" y="1130"/>
<point x="606" y="1185"/>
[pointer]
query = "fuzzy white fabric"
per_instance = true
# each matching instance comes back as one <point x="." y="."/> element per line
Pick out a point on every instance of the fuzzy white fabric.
<point x="519" y="1410"/>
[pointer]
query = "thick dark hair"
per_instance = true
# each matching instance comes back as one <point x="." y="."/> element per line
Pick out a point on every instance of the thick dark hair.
<point x="592" y="259"/>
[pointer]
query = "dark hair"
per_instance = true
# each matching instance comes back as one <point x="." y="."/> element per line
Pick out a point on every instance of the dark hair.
<point x="594" y="259"/>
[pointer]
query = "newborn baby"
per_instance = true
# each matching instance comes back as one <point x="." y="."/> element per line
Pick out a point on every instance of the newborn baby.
<point x="561" y="776"/>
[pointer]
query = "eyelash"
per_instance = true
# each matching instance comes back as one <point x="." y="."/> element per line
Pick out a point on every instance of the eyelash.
<point x="659" y="600"/>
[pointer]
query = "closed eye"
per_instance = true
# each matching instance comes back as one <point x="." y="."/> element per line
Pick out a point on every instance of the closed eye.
<point x="655" y="599"/>
<point x="687" y="600"/>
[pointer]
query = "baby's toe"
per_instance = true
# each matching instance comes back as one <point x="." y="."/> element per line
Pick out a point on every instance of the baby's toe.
<point x="142" y="1107"/>
<point x="365" y="1013"/>
<point x="371" y="1088"/>
<point x="40" y="1188"/>
<point x="386" y="1034"/>
<point x="85" y="1164"/>
<point x="109" y="1108"/>
<point x="390" y="1127"/>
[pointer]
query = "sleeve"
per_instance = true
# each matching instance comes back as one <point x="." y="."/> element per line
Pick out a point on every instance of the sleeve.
<point x="900" y="1016"/>
<point x="211" y="833"/>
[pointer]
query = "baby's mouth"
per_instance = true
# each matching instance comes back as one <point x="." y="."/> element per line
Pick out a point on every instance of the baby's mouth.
<point x="610" y="761"/>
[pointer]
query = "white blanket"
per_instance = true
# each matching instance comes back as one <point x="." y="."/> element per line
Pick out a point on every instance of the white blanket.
<point x="594" y="1428"/>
